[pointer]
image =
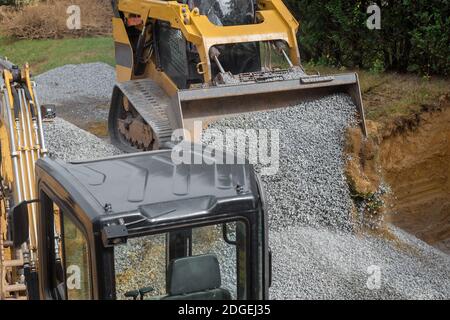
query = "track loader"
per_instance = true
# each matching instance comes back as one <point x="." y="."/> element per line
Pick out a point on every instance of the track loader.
<point x="201" y="60"/>
<point x="71" y="230"/>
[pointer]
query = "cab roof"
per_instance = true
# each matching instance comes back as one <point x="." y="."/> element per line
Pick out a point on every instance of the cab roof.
<point x="148" y="188"/>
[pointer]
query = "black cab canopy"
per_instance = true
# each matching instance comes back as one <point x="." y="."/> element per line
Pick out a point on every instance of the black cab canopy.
<point x="147" y="190"/>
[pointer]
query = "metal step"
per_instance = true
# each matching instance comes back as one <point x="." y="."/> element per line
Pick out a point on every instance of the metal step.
<point x="16" y="299"/>
<point x="13" y="263"/>
<point x="15" y="288"/>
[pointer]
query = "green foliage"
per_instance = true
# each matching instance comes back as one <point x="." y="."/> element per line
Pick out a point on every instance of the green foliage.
<point x="15" y="2"/>
<point x="414" y="35"/>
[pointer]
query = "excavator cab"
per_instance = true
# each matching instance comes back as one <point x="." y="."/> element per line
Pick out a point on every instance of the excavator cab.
<point x="136" y="226"/>
<point x="140" y="227"/>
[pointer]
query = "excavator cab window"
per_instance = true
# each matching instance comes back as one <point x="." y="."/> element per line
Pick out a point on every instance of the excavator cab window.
<point x="68" y="262"/>
<point x="213" y="267"/>
<point x="76" y="266"/>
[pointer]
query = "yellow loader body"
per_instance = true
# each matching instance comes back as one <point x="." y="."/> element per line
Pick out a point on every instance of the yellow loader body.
<point x="178" y="63"/>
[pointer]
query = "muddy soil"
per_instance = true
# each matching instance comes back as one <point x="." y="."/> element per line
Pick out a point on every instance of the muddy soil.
<point x="416" y="164"/>
<point x="88" y="114"/>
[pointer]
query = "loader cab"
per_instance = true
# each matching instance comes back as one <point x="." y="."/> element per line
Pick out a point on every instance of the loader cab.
<point x="139" y="227"/>
<point x="180" y="65"/>
<point x="226" y="12"/>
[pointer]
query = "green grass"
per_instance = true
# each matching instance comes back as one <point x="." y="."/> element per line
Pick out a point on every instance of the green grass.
<point x="43" y="55"/>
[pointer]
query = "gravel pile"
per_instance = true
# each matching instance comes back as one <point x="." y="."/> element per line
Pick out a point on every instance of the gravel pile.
<point x="77" y="83"/>
<point x="318" y="263"/>
<point x="317" y="253"/>
<point x="81" y="93"/>
<point x="69" y="143"/>
<point x="310" y="186"/>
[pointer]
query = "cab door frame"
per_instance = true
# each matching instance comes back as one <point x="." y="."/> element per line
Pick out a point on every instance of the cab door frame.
<point x="48" y="195"/>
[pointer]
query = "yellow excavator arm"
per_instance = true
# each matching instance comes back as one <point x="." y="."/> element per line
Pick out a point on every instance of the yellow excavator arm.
<point x="22" y="143"/>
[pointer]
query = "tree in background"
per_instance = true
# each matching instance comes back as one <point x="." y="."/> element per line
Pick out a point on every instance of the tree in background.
<point x="414" y="35"/>
<point x="15" y="2"/>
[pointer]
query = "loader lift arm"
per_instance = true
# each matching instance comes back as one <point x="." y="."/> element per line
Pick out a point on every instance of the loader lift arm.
<point x="275" y="22"/>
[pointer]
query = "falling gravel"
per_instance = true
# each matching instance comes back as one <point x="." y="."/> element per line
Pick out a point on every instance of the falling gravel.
<point x="317" y="250"/>
<point x="310" y="186"/>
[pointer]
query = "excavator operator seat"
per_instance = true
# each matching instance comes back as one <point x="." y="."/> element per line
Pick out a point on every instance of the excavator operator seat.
<point x="195" y="278"/>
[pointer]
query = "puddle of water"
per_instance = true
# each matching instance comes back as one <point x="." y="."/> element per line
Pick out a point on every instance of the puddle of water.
<point x="98" y="128"/>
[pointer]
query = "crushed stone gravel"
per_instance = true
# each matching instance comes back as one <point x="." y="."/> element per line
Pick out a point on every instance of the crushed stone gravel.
<point x="310" y="185"/>
<point x="317" y="252"/>
<point x="67" y="142"/>
<point x="76" y="83"/>
<point x="319" y="263"/>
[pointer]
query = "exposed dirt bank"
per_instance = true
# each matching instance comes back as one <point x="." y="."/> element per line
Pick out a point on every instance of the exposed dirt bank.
<point x="412" y="155"/>
<point x="416" y="164"/>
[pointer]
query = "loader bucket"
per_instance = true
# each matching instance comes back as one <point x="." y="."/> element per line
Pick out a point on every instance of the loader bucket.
<point x="210" y="104"/>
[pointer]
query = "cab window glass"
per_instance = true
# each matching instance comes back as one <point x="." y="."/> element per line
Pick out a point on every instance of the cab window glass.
<point x="76" y="261"/>
<point x="143" y="262"/>
<point x="210" y="240"/>
<point x="71" y="274"/>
